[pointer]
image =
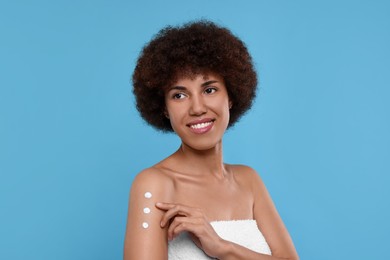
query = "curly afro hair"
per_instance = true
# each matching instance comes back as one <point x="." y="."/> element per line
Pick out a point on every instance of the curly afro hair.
<point x="195" y="48"/>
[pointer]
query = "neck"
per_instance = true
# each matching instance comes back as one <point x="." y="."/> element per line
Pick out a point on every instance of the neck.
<point x="204" y="162"/>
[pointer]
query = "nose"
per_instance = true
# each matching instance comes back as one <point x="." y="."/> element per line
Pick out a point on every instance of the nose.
<point x="198" y="106"/>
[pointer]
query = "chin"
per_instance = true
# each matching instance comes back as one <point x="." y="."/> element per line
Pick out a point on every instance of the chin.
<point x="201" y="145"/>
<point x="201" y="142"/>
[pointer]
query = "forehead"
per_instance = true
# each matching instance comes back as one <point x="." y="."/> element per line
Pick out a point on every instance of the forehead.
<point x="202" y="77"/>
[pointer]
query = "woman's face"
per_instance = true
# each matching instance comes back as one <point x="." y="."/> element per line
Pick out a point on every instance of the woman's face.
<point x="198" y="109"/>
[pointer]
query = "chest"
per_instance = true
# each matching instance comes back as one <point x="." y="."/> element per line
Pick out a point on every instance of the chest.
<point x="220" y="200"/>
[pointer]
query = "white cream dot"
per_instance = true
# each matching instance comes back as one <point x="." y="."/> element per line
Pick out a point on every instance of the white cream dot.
<point x="146" y="210"/>
<point x="148" y="195"/>
<point x="145" y="225"/>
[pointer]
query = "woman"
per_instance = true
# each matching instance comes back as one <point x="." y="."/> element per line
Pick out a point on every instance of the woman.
<point x="198" y="80"/>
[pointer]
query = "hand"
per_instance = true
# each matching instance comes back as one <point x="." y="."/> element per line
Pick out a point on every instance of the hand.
<point x="193" y="220"/>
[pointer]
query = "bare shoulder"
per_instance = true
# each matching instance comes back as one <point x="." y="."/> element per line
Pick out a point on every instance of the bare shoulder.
<point x="152" y="180"/>
<point x="246" y="175"/>
<point x="242" y="170"/>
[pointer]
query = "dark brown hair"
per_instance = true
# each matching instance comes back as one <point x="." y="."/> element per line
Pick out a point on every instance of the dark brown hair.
<point x="195" y="48"/>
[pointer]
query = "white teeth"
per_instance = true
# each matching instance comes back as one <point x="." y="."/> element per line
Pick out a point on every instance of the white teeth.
<point x="201" y="125"/>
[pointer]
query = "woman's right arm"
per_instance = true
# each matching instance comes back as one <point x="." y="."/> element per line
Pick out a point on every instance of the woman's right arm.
<point x="145" y="239"/>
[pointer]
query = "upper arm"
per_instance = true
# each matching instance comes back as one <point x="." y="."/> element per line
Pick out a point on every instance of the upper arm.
<point x="269" y="221"/>
<point x="149" y="241"/>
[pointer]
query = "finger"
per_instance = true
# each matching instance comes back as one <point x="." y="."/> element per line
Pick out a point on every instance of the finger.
<point x="187" y="226"/>
<point x="165" y="206"/>
<point x="175" y="223"/>
<point x="177" y="210"/>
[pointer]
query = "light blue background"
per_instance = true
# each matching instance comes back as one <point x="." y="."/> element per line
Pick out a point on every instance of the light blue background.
<point x="71" y="140"/>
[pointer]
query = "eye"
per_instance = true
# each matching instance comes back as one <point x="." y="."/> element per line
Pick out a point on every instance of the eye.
<point x="210" y="90"/>
<point x="178" y="96"/>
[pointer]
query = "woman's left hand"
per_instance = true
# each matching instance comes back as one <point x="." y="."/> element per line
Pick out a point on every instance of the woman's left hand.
<point x="193" y="220"/>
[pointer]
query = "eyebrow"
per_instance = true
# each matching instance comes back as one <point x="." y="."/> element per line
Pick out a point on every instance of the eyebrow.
<point x="204" y="84"/>
<point x="208" y="83"/>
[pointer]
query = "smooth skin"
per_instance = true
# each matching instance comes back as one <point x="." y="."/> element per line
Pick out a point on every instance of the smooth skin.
<point x="193" y="186"/>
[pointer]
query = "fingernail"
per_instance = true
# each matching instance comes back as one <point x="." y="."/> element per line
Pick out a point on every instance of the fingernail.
<point x="161" y="224"/>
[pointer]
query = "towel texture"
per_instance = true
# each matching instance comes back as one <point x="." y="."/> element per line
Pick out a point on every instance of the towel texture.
<point x="242" y="232"/>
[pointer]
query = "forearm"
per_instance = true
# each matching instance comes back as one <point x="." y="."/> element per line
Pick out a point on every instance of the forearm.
<point x="232" y="251"/>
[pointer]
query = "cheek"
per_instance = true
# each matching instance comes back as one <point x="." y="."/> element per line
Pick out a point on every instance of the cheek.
<point x="227" y="115"/>
<point x="225" y="108"/>
<point x="226" y="112"/>
<point x="175" y="119"/>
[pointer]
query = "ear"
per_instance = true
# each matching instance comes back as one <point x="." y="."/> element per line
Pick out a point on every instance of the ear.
<point x="166" y="114"/>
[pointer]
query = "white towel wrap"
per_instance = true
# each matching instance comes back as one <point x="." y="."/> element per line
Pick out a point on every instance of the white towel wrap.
<point x="242" y="232"/>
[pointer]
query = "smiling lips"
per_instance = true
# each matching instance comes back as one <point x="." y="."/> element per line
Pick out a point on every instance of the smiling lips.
<point x="201" y="126"/>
